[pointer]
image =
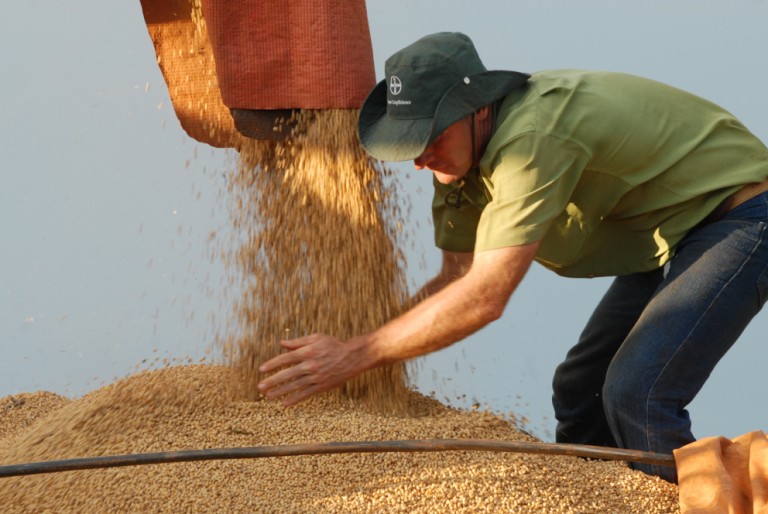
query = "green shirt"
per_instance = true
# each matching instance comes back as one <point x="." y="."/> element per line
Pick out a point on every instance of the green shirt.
<point x="609" y="171"/>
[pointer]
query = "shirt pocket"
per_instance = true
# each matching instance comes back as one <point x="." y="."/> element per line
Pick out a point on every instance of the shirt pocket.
<point x="563" y="243"/>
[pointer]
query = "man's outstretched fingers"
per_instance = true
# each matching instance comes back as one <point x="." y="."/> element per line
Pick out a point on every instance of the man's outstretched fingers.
<point x="292" y="344"/>
<point x="285" y="389"/>
<point x="281" y="361"/>
<point x="284" y="376"/>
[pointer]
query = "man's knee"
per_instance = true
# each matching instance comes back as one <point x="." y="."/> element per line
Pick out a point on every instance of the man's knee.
<point x="561" y="382"/>
<point x="619" y="395"/>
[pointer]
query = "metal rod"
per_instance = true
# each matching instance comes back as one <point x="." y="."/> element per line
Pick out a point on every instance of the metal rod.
<point x="413" y="445"/>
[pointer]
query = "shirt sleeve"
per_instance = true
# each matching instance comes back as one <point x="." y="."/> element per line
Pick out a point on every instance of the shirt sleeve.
<point x="531" y="181"/>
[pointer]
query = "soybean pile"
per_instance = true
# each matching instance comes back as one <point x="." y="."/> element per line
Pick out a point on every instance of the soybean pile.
<point x="186" y="407"/>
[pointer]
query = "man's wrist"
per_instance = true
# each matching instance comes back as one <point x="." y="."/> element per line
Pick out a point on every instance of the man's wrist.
<point x="367" y="352"/>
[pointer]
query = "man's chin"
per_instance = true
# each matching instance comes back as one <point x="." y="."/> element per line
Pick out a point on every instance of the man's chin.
<point x="445" y="178"/>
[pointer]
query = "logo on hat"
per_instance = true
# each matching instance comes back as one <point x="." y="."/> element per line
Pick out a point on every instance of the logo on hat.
<point x="395" y="86"/>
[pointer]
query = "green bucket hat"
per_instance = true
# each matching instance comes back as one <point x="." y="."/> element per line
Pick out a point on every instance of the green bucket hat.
<point x="428" y="86"/>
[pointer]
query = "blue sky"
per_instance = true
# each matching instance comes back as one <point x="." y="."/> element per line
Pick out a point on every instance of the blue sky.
<point x="107" y="205"/>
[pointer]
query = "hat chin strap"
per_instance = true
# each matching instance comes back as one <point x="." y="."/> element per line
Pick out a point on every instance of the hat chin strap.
<point x="486" y="131"/>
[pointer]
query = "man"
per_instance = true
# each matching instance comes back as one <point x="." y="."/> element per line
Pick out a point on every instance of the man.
<point x="590" y="174"/>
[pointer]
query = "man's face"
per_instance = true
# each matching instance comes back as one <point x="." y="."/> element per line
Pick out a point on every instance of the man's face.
<point x="449" y="156"/>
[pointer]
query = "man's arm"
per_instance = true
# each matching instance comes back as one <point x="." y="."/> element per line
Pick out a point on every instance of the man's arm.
<point x="319" y="362"/>
<point x="455" y="265"/>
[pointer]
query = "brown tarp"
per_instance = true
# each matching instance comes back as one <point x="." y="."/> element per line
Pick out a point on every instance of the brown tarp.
<point x="719" y="475"/>
<point x="258" y="54"/>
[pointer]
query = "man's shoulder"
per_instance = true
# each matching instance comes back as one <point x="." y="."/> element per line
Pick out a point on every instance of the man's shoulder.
<point x="544" y="90"/>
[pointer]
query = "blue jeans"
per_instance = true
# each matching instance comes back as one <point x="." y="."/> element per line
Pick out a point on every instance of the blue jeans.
<point x="654" y="339"/>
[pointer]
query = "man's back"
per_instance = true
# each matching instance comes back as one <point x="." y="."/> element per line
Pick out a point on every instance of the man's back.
<point x="610" y="170"/>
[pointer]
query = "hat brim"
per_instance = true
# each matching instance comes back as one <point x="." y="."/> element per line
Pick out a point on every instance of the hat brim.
<point x="389" y="139"/>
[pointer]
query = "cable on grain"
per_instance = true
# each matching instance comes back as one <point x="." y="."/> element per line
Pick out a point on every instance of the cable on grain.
<point x="413" y="445"/>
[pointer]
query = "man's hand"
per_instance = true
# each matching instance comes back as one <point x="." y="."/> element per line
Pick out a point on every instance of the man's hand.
<point x="313" y="364"/>
<point x="319" y="362"/>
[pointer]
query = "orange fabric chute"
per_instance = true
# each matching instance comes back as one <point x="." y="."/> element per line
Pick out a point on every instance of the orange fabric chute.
<point x="278" y="54"/>
<point x="726" y="476"/>
<point x="256" y="55"/>
<point x="185" y="58"/>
